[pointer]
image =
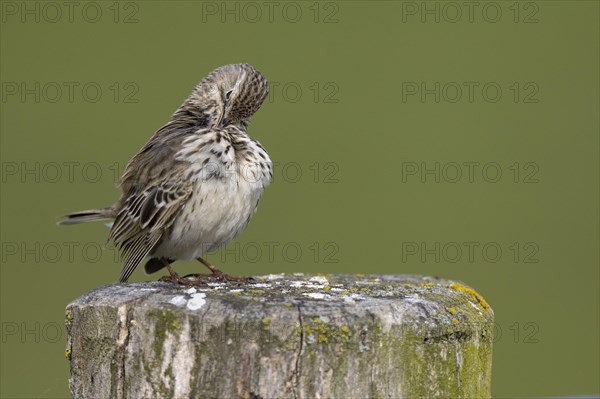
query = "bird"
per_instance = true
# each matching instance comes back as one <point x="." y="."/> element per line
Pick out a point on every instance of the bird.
<point x="195" y="184"/>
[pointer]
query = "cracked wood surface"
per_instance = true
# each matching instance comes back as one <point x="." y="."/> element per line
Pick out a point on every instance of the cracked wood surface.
<point x="290" y="336"/>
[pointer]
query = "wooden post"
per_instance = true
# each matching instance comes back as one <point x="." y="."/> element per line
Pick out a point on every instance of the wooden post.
<point x="286" y="336"/>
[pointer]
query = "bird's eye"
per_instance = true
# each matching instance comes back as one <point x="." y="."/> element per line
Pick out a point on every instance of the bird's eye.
<point x="228" y="95"/>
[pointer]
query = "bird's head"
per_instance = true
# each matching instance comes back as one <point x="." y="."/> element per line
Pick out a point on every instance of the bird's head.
<point x="230" y="94"/>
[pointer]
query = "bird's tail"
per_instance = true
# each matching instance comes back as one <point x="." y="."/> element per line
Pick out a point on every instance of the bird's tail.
<point x="87" y="216"/>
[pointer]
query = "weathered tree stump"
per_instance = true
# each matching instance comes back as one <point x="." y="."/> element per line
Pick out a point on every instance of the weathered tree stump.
<point x="345" y="336"/>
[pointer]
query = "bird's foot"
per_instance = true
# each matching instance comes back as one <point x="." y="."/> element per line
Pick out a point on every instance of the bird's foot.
<point x="177" y="279"/>
<point x="202" y="279"/>
<point x="219" y="275"/>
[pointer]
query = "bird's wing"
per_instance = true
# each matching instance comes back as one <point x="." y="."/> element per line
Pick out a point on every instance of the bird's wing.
<point x="155" y="161"/>
<point x="146" y="215"/>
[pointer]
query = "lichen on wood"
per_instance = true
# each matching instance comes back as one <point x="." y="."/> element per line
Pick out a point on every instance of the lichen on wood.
<point x="293" y="335"/>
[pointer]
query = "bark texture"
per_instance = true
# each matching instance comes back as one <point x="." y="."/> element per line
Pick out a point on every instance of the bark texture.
<point x="289" y="336"/>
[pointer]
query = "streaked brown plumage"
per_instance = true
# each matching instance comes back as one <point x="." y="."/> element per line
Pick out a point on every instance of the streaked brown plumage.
<point x="195" y="184"/>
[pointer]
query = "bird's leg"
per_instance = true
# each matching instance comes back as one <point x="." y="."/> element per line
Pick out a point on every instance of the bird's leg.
<point x="201" y="279"/>
<point x="176" y="278"/>
<point x="219" y="275"/>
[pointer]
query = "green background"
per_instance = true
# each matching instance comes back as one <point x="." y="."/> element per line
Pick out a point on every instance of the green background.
<point x="350" y="131"/>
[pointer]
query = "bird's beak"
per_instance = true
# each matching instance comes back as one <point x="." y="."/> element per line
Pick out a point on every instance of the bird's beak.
<point x="218" y="121"/>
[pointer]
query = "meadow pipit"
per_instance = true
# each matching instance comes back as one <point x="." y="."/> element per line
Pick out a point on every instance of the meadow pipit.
<point x="195" y="184"/>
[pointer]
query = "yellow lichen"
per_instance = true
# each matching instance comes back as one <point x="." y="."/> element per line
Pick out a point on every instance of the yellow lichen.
<point x="360" y="276"/>
<point x="326" y="288"/>
<point x="68" y="353"/>
<point x="323" y="332"/>
<point x="266" y="321"/>
<point x="306" y="328"/>
<point x="345" y="293"/>
<point x="175" y="324"/>
<point x="68" y="318"/>
<point x="454" y="321"/>
<point x="473" y="293"/>
<point x="452" y="311"/>
<point x="257" y="292"/>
